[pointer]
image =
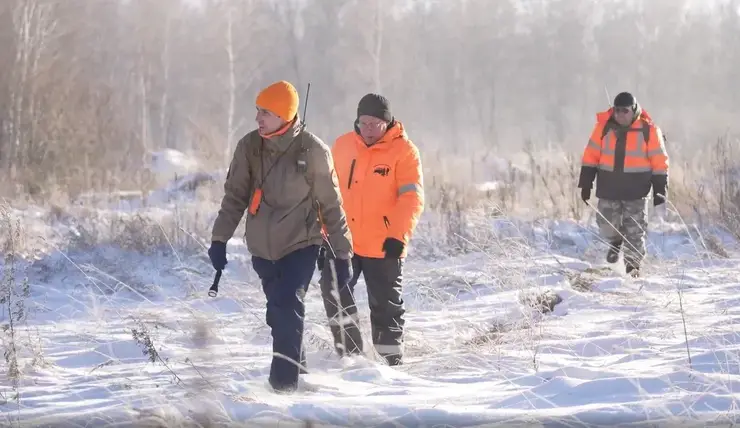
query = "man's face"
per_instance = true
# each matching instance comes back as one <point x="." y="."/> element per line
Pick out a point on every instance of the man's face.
<point x="268" y="122"/>
<point x="624" y="115"/>
<point x="372" y="129"/>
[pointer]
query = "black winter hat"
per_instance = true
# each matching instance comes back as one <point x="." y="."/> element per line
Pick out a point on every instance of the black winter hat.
<point x="625" y="99"/>
<point x="376" y="106"/>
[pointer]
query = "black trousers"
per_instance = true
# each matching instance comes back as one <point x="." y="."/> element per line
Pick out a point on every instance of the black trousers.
<point x="285" y="283"/>
<point x="383" y="279"/>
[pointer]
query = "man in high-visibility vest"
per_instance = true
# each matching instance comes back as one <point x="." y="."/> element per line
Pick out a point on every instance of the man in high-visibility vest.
<point x="627" y="156"/>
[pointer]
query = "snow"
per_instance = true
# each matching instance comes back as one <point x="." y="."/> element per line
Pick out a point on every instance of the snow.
<point x="490" y="186"/>
<point x="167" y="164"/>
<point x="613" y="351"/>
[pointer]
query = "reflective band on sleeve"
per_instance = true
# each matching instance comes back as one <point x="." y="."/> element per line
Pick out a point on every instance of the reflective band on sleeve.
<point x="388" y="349"/>
<point x="658" y="151"/>
<point x="413" y="187"/>
<point x="629" y="169"/>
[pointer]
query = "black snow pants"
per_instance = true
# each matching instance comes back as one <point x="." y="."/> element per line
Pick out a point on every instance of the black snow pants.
<point x="383" y="279"/>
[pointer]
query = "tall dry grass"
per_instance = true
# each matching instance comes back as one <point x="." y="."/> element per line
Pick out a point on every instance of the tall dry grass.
<point x="463" y="192"/>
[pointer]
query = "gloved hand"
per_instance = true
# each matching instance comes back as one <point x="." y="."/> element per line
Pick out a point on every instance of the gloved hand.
<point x="344" y="271"/>
<point x="585" y="194"/>
<point x="660" y="184"/>
<point x="217" y="254"/>
<point x="393" y="248"/>
<point x="321" y="259"/>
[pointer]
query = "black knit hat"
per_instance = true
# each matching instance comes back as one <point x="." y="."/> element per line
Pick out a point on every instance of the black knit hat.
<point x="376" y="106"/>
<point x="625" y="99"/>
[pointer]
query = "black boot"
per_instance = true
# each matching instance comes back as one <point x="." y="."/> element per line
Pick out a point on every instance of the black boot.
<point x="632" y="270"/>
<point x="393" y="360"/>
<point x="613" y="254"/>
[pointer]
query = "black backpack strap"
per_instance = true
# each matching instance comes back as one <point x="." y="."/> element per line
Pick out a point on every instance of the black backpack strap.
<point x="302" y="159"/>
<point x="646" y="126"/>
<point x="304" y="166"/>
<point x="646" y="131"/>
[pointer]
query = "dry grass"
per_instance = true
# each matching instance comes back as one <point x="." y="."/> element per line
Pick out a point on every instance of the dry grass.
<point x="458" y="219"/>
<point x="530" y="186"/>
<point x="703" y="189"/>
<point x="584" y="280"/>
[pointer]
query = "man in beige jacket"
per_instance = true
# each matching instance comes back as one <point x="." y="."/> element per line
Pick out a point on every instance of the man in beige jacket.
<point x="284" y="177"/>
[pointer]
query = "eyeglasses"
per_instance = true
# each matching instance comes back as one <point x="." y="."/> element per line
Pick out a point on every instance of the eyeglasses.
<point x="373" y="125"/>
<point x="623" y="110"/>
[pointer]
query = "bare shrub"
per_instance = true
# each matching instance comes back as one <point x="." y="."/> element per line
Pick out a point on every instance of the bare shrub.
<point x="14" y="292"/>
<point x="542" y="302"/>
<point x="144" y="232"/>
<point x="726" y="167"/>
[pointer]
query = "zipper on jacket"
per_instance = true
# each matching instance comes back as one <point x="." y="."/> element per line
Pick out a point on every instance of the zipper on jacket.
<point x="387" y="223"/>
<point x="620" y="149"/>
<point x="351" y="173"/>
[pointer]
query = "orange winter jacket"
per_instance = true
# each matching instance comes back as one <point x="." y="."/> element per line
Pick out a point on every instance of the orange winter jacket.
<point x="625" y="161"/>
<point x="382" y="188"/>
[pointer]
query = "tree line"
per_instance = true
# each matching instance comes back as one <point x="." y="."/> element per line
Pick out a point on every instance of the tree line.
<point x="88" y="89"/>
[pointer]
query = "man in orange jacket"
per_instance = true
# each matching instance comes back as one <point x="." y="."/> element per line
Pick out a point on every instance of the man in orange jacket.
<point x="626" y="154"/>
<point x="380" y="179"/>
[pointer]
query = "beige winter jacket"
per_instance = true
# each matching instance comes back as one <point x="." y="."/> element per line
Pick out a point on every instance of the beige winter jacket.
<point x="287" y="218"/>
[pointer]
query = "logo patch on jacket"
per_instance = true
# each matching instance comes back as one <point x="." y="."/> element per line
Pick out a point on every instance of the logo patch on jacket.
<point x="382" y="170"/>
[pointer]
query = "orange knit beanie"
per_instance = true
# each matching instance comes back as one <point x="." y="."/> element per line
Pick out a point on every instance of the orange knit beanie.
<point x="280" y="98"/>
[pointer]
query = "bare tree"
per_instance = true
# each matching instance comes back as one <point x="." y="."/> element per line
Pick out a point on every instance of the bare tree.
<point x="33" y="24"/>
<point x="87" y="89"/>
<point x="232" y="86"/>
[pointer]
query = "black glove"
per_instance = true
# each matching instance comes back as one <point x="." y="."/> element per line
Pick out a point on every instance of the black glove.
<point x="217" y="254"/>
<point x="321" y="258"/>
<point x="660" y="183"/>
<point x="344" y="271"/>
<point x="393" y="248"/>
<point x="586" y="194"/>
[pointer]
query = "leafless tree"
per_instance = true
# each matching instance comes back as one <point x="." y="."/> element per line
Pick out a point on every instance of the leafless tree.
<point x="89" y="89"/>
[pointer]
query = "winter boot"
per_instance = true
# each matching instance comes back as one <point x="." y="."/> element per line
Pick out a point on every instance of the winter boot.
<point x="632" y="270"/>
<point x="393" y="360"/>
<point x="613" y="254"/>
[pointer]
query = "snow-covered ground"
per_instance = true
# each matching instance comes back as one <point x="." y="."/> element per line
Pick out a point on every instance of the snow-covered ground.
<point x="479" y="351"/>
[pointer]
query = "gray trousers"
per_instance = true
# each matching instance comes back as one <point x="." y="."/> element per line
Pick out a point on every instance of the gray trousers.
<point x="383" y="279"/>
<point x="625" y="221"/>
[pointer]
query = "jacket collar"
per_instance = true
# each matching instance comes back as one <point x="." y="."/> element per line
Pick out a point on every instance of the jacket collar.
<point x="395" y="131"/>
<point x="281" y="140"/>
